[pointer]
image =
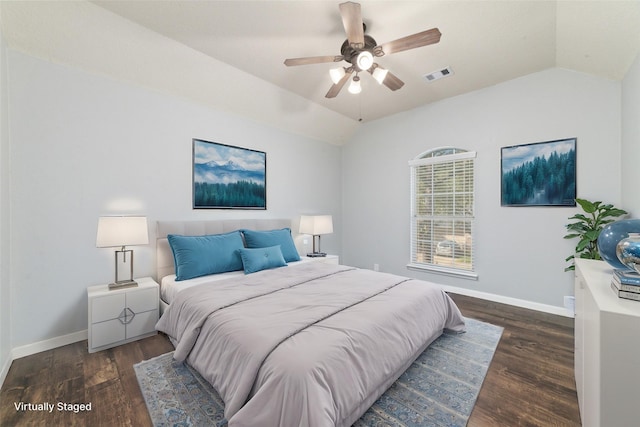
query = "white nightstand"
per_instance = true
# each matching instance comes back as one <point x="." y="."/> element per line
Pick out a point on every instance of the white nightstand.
<point x="123" y="315"/>
<point x="329" y="259"/>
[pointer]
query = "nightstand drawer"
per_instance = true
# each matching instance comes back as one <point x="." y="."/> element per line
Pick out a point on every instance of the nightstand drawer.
<point x="142" y="323"/>
<point x="107" y="307"/>
<point x="108" y="332"/>
<point x="143" y="300"/>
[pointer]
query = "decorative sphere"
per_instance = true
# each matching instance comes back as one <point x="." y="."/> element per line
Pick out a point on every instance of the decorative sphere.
<point x="609" y="237"/>
<point x="628" y="251"/>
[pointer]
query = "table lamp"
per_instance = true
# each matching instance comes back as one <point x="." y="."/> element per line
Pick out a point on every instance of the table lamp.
<point x="316" y="225"/>
<point x="122" y="231"/>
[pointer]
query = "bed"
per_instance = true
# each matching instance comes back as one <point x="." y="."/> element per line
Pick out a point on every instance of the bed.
<point x="307" y="343"/>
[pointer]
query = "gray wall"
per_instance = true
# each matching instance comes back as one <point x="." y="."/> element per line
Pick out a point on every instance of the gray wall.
<point x="631" y="140"/>
<point x="5" y="258"/>
<point x="520" y="252"/>
<point x="84" y="146"/>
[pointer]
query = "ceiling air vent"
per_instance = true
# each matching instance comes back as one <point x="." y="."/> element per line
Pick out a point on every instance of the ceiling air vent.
<point x="447" y="71"/>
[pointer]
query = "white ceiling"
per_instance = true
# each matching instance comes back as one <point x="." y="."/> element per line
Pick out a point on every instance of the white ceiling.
<point x="484" y="42"/>
<point x="229" y="55"/>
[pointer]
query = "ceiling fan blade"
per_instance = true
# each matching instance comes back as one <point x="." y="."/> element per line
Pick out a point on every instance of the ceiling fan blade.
<point x="352" y="21"/>
<point x="424" y="38"/>
<point x="312" y="60"/>
<point x="335" y="89"/>
<point x="391" y="80"/>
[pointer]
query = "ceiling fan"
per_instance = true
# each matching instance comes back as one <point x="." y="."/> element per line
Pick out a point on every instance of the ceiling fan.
<point x="359" y="50"/>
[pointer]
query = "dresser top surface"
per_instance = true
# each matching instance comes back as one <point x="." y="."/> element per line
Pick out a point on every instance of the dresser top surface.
<point x="597" y="276"/>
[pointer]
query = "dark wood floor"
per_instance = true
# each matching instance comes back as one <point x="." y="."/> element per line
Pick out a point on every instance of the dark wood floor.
<point x="530" y="380"/>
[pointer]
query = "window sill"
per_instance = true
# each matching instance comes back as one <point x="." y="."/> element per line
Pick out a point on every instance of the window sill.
<point x="444" y="271"/>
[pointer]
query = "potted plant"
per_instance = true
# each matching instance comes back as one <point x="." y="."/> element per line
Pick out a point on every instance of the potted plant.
<point x="588" y="226"/>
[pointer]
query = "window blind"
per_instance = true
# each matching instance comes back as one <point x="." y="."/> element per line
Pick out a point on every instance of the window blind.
<point x="442" y="211"/>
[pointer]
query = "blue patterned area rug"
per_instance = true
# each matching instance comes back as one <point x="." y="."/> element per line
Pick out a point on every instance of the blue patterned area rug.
<point x="439" y="389"/>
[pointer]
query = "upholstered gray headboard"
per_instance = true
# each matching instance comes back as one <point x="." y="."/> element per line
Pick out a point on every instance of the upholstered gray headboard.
<point x="164" y="256"/>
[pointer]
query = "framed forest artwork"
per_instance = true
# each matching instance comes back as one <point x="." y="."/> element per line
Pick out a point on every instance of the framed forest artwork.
<point x="228" y="177"/>
<point x="539" y="174"/>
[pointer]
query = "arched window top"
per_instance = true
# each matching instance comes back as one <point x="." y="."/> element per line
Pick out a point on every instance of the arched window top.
<point x="441" y="155"/>
<point x="441" y="151"/>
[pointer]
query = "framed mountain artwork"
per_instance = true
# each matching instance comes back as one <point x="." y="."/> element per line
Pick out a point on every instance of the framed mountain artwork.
<point x="539" y="174"/>
<point x="228" y="177"/>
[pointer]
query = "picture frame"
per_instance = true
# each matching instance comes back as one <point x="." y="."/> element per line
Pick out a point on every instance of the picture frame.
<point x="539" y="174"/>
<point x="228" y="177"/>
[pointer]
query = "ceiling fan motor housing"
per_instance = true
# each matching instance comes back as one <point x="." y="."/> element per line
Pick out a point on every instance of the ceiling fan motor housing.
<point x="351" y="53"/>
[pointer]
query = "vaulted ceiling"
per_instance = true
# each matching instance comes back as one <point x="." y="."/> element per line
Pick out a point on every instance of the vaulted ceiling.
<point x="483" y="43"/>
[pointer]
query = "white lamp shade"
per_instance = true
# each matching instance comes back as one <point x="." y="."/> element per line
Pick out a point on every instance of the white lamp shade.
<point x="122" y="231"/>
<point x="355" y="87"/>
<point x="336" y="74"/>
<point x="316" y="224"/>
<point x="380" y="74"/>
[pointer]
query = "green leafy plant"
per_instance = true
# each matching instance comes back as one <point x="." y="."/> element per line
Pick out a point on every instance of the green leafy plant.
<point x="588" y="227"/>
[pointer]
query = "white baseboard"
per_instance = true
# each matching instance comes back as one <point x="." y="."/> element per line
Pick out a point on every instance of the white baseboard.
<point x="37" y="347"/>
<point x="545" y="308"/>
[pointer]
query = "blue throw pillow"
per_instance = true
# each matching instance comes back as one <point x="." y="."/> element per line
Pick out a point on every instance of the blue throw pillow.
<point x="265" y="239"/>
<point x="259" y="259"/>
<point x="196" y="256"/>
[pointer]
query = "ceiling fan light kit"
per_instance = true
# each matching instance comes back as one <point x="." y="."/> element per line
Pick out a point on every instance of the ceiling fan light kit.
<point x="364" y="60"/>
<point x="355" y="86"/>
<point x="379" y="74"/>
<point x="359" y="50"/>
<point x="336" y="74"/>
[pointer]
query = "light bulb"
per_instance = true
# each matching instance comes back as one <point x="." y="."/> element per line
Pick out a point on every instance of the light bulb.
<point x="355" y="87"/>
<point x="380" y="74"/>
<point x="336" y="74"/>
<point x="364" y="60"/>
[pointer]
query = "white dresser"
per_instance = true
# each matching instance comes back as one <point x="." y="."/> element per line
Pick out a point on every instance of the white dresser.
<point x="607" y="349"/>
<point x="123" y="315"/>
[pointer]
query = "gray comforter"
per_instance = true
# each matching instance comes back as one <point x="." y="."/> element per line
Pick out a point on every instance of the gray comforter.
<point x="307" y="345"/>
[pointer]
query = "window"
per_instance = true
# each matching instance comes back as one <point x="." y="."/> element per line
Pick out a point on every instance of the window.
<point x="442" y="211"/>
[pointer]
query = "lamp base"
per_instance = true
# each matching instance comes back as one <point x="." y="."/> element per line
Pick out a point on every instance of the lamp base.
<point x="122" y="284"/>
<point x="316" y="254"/>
